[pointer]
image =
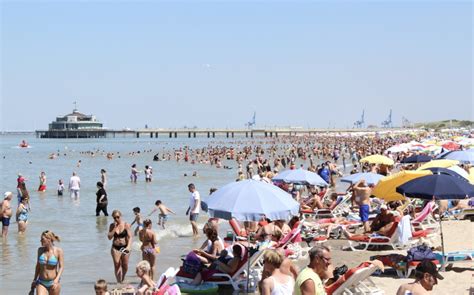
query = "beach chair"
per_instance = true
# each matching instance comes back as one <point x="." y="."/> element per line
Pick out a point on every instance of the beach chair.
<point x="342" y="207"/>
<point x="163" y="286"/>
<point x="240" y="234"/>
<point x="457" y="257"/>
<point x="425" y="220"/>
<point x="237" y="279"/>
<point x="392" y="239"/>
<point x="467" y="213"/>
<point x="356" y="281"/>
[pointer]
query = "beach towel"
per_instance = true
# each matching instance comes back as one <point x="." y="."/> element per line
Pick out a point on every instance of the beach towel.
<point x="404" y="230"/>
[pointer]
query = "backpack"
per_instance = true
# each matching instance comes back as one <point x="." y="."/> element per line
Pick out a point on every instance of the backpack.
<point x="420" y="253"/>
<point x="192" y="264"/>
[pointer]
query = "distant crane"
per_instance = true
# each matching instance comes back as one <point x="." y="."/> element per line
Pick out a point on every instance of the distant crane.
<point x="251" y="123"/>
<point x="360" y="123"/>
<point x="388" y="123"/>
<point x="406" y="123"/>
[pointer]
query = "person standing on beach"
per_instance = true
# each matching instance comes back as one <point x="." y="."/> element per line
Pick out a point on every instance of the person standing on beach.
<point x="74" y="185"/>
<point x="148" y="238"/>
<point x="101" y="200"/>
<point x="42" y="182"/>
<point x="194" y="207"/>
<point x="6" y="213"/>
<point x="148" y="173"/>
<point x="20" y="182"/>
<point x="362" y="194"/>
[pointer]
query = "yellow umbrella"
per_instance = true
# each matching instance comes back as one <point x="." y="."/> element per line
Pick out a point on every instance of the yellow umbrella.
<point x="442" y="163"/>
<point x="377" y="159"/>
<point x="386" y="188"/>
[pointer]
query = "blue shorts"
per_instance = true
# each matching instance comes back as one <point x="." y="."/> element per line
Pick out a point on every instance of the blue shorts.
<point x="6" y="221"/>
<point x="364" y="212"/>
<point x="164" y="217"/>
<point x="193" y="216"/>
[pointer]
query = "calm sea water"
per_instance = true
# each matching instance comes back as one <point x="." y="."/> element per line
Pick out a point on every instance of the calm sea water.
<point x="84" y="240"/>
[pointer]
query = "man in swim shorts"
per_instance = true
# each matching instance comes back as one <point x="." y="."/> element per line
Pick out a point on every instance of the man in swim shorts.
<point x="6" y="213"/>
<point x="362" y="194"/>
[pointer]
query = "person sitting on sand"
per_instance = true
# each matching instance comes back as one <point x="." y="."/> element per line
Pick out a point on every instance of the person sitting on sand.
<point x="100" y="287"/>
<point x="426" y="277"/>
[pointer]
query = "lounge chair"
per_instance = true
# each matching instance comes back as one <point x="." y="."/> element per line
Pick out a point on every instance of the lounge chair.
<point x="236" y="280"/>
<point x="392" y="238"/>
<point x="342" y="207"/>
<point x="240" y="234"/>
<point x="424" y="220"/>
<point x="357" y="281"/>
<point x="467" y="213"/>
<point x="451" y="258"/>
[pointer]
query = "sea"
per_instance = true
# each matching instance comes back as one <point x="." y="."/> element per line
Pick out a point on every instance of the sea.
<point x="83" y="235"/>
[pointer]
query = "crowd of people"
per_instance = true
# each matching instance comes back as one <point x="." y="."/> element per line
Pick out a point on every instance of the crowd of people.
<point x="328" y="156"/>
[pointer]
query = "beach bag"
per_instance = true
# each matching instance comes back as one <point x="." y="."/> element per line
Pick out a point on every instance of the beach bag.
<point x="204" y="206"/>
<point x="192" y="264"/>
<point x="420" y="253"/>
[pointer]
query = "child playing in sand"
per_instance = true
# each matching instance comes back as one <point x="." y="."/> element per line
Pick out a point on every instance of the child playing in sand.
<point x="164" y="211"/>
<point x="143" y="272"/>
<point x="138" y="220"/>
<point x="100" y="287"/>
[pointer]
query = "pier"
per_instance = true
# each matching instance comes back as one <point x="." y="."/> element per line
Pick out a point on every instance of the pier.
<point x="194" y="133"/>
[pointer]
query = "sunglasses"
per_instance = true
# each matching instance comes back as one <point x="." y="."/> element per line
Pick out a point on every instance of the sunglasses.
<point x="116" y="217"/>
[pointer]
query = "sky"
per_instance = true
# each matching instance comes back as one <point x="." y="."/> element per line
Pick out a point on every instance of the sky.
<point x="212" y="64"/>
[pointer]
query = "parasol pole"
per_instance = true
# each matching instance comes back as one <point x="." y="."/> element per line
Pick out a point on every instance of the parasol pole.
<point x="443" y="264"/>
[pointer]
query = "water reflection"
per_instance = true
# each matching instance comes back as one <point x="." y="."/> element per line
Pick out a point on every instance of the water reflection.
<point x="101" y="224"/>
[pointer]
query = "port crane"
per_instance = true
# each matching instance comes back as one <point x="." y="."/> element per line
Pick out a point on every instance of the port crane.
<point x="360" y="123"/>
<point x="388" y="123"/>
<point x="251" y="123"/>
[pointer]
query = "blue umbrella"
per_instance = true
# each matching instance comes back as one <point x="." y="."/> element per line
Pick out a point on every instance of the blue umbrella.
<point x="419" y="158"/>
<point x="437" y="186"/>
<point x="300" y="176"/>
<point x="439" y="170"/>
<point x="248" y="200"/>
<point x="369" y="177"/>
<point x="466" y="156"/>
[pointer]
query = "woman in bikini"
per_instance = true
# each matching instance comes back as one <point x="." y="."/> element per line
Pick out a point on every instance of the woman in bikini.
<point x="148" y="238"/>
<point x="121" y="236"/>
<point x="22" y="215"/>
<point x="49" y="266"/>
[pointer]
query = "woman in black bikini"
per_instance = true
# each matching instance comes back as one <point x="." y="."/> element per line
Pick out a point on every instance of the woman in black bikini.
<point x="121" y="236"/>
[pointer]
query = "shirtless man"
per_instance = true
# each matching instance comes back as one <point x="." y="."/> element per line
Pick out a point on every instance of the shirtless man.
<point x="6" y="213"/>
<point x="362" y="194"/>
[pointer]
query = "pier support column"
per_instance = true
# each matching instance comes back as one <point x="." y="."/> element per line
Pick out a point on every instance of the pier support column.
<point x="151" y="134"/>
<point x="156" y="134"/>
<point x="208" y="135"/>
<point x="271" y="134"/>
<point x="189" y="134"/>
<point x="265" y="133"/>
<point x="175" y="134"/>
<point x="276" y="134"/>
<point x="232" y="134"/>
<point x="138" y="134"/>
<point x="171" y="134"/>
<point x="213" y="135"/>
<point x="246" y="134"/>
<point x="227" y="134"/>
<point x="194" y="134"/>
<point x="251" y="134"/>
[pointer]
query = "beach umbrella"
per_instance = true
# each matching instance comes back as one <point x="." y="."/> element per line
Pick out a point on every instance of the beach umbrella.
<point x="377" y="159"/>
<point x="419" y="158"/>
<point x="442" y="163"/>
<point x="300" y="176"/>
<point x="455" y="171"/>
<point x="437" y="187"/>
<point x="249" y="200"/>
<point x="386" y="189"/>
<point x="471" y="175"/>
<point x="466" y="156"/>
<point x="369" y="177"/>
<point x="398" y="148"/>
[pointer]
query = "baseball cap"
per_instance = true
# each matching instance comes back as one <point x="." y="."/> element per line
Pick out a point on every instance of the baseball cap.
<point x="426" y="266"/>
<point x="383" y="207"/>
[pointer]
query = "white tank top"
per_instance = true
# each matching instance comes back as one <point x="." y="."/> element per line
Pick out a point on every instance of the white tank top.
<point x="283" y="289"/>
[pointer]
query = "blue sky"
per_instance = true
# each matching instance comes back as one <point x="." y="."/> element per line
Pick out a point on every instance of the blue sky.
<point x="212" y="64"/>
